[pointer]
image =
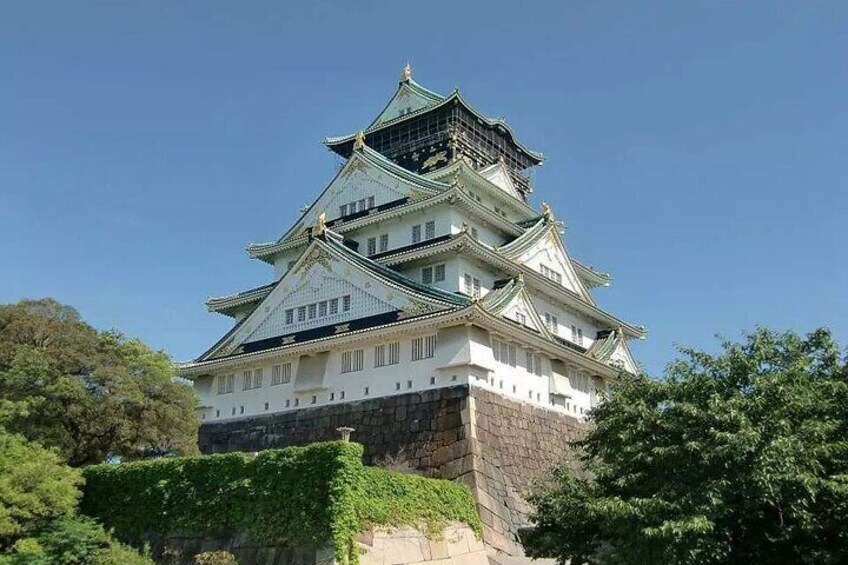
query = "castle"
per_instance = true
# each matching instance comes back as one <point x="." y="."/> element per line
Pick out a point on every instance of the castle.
<point x="422" y="301"/>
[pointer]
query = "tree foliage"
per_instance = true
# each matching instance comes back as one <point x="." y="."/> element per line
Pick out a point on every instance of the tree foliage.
<point x="740" y="457"/>
<point x="35" y="487"/>
<point x="90" y="394"/>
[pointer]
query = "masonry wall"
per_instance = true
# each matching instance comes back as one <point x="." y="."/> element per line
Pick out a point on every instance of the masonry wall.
<point x="493" y="444"/>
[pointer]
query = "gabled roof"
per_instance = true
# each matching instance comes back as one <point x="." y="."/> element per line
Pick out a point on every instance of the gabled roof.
<point x="409" y="97"/>
<point x="454" y="97"/>
<point x="513" y="296"/>
<point x="498" y="174"/>
<point x="364" y="156"/>
<point x="547" y="230"/>
<point x="329" y="246"/>
<point x="611" y="348"/>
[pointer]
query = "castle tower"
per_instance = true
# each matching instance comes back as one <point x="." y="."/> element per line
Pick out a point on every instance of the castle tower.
<point x="422" y="301"/>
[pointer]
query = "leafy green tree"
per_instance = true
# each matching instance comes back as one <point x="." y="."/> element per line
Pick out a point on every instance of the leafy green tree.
<point x="90" y="394"/>
<point x="35" y="487"/>
<point x="740" y="457"/>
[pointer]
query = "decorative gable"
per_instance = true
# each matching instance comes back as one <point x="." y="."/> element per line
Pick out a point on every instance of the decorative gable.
<point x="498" y="175"/>
<point x="512" y="302"/>
<point x="405" y="101"/>
<point x="547" y="255"/>
<point x="323" y="289"/>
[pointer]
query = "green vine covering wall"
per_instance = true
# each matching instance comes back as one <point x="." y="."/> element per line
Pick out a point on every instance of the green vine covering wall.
<point x="294" y="496"/>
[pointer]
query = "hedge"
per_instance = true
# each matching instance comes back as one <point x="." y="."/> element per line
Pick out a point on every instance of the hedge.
<point x="294" y="496"/>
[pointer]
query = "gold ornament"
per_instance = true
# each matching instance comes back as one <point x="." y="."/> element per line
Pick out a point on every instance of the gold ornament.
<point x="359" y="141"/>
<point x="406" y="74"/>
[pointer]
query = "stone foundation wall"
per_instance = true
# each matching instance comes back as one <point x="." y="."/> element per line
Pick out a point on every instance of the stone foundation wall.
<point x="493" y="444"/>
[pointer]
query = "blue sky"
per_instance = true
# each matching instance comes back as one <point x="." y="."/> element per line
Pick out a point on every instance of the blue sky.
<point x="695" y="149"/>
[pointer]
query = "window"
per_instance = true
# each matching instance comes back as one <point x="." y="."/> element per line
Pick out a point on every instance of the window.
<point x="246" y="380"/>
<point x="408" y="384"/>
<point x="416" y="233"/>
<point x="289" y="316"/>
<point x="314" y="399"/>
<point x="217" y="413"/>
<point x="363" y="204"/>
<point x="423" y="347"/>
<point x="534" y="364"/>
<point x="427" y="275"/>
<point x="322" y="308"/>
<point x="332" y="396"/>
<point x="313" y="310"/>
<point x="372" y="246"/>
<point x="387" y="354"/>
<point x="346" y="303"/>
<point x="352" y="361"/>
<point x="475" y="290"/>
<point x="551" y="274"/>
<point x="439" y="273"/>
<point x="226" y="384"/>
<point x="430" y="229"/>
<point x="551" y="323"/>
<point x="343" y="210"/>
<point x="370" y="201"/>
<point x="288" y="402"/>
<point x="241" y="409"/>
<point x="341" y="395"/>
<point x="297" y="402"/>
<point x="266" y="406"/>
<point x="472" y="285"/>
<point x="257" y="378"/>
<point x="432" y="380"/>
<point x="281" y="374"/>
<point x="397" y="386"/>
<point x="334" y="306"/>
<point x="577" y="335"/>
<point x="366" y="392"/>
<point x="384" y="243"/>
<point x="301" y="313"/>
<point x="466" y="280"/>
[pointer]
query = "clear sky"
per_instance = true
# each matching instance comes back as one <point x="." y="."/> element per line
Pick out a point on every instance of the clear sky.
<point x="695" y="150"/>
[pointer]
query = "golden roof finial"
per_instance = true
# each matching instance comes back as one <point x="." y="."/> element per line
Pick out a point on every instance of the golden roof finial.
<point x="546" y="211"/>
<point x="521" y="277"/>
<point x="320" y="224"/>
<point x="359" y="141"/>
<point x="407" y="73"/>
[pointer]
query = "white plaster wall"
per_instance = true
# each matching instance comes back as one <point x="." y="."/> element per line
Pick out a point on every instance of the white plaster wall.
<point x="463" y="355"/>
<point x="565" y="318"/>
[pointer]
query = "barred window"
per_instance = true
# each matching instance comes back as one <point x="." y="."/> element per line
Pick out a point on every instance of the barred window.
<point x="334" y="306"/>
<point x="475" y="290"/>
<point x="363" y="204"/>
<point x="322" y="308"/>
<point x="416" y="233"/>
<point x="346" y="303"/>
<point x="423" y="347"/>
<point x="301" y="313"/>
<point x="246" y="380"/>
<point x="467" y="281"/>
<point x="289" y="316"/>
<point x="430" y="229"/>
<point x="551" y="323"/>
<point x="281" y="374"/>
<point x="380" y="356"/>
<point x="370" y="201"/>
<point x="384" y="243"/>
<point x="352" y="361"/>
<point x="439" y="273"/>
<point x="257" y="378"/>
<point x="427" y="275"/>
<point x="343" y="210"/>
<point x="226" y="384"/>
<point x="313" y="310"/>
<point x="372" y="246"/>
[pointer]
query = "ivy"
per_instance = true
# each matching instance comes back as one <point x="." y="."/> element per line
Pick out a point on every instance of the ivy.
<point x="309" y="495"/>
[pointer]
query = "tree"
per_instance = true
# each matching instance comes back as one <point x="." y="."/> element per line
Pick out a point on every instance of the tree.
<point x="90" y="394"/>
<point x="35" y="487"/>
<point x="740" y="457"/>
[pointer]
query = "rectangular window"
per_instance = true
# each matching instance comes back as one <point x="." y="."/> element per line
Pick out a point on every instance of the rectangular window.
<point x="222" y="384"/>
<point x="363" y="205"/>
<point x="423" y="347"/>
<point x="334" y="306"/>
<point x="496" y="349"/>
<point x="289" y="316"/>
<point x="579" y="336"/>
<point x="408" y="384"/>
<point x="257" y="378"/>
<point x="246" y="380"/>
<point x="372" y="246"/>
<point x="301" y="313"/>
<point x="352" y="361"/>
<point x="551" y="323"/>
<point x="346" y="303"/>
<point x="384" y="243"/>
<point x="467" y="281"/>
<point x="512" y="355"/>
<point x="276" y="375"/>
<point x="313" y="311"/>
<point x="231" y="382"/>
<point x="394" y="353"/>
<point x="380" y="356"/>
<point x="416" y="233"/>
<point x="397" y="386"/>
<point x="322" y="308"/>
<point x="370" y="202"/>
<point x="427" y="275"/>
<point x="351" y="208"/>
<point x="439" y="273"/>
<point x="430" y="230"/>
<point x="366" y="392"/>
<point x="343" y="210"/>
<point x="341" y="395"/>
<point x="475" y="291"/>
